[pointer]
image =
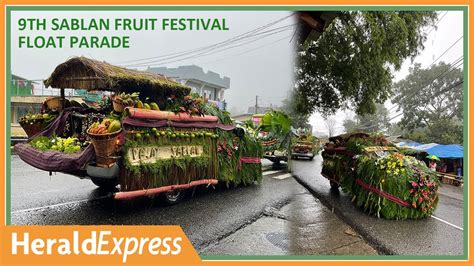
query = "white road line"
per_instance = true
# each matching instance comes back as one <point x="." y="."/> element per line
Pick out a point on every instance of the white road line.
<point x="59" y="205"/>
<point x="265" y="173"/>
<point x="282" y="176"/>
<point x="448" y="223"/>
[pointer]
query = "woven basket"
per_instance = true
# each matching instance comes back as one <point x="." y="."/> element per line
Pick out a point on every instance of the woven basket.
<point x="33" y="129"/>
<point x="105" y="148"/>
<point x="118" y="105"/>
<point x="54" y="103"/>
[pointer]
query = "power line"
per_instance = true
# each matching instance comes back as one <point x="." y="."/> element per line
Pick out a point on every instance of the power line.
<point x="454" y="65"/>
<point x="437" y="22"/>
<point x="437" y="94"/>
<point x="460" y="38"/>
<point x="208" y="52"/>
<point x="400" y="114"/>
<point x="248" y="51"/>
<point x="254" y="37"/>
<point x="212" y="45"/>
<point x="442" y="75"/>
<point x="452" y="45"/>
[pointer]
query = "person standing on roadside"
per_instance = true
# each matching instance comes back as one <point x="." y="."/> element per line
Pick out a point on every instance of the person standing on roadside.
<point x="432" y="165"/>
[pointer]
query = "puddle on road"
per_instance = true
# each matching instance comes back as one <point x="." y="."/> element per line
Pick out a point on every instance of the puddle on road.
<point x="302" y="227"/>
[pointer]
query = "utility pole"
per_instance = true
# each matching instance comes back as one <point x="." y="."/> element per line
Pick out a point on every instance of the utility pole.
<point x="256" y="104"/>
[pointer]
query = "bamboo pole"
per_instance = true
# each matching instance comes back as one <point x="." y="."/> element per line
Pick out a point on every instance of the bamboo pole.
<point x="153" y="191"/>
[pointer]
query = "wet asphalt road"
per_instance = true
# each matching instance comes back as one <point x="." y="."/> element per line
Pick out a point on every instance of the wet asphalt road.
<point x="216" y="214"/>
<point x="211" y="214"/>
<point x="442" y="235"/>
<point x="277" y="217"/>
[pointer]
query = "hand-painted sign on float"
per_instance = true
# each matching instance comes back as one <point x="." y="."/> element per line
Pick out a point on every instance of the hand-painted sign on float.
<point x="151" y="154"/>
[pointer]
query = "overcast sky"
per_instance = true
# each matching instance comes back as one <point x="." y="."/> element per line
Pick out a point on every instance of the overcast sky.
<point x="260" y="66"/>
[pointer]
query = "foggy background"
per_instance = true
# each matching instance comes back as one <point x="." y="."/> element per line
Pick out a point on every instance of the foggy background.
<point x="261" y="66"/>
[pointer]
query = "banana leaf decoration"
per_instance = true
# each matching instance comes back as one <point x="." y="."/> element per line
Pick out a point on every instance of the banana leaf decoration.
<point x="278" y="126"/>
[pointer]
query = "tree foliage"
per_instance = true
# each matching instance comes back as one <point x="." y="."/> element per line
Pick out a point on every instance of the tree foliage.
<point x="432" y="103"/>
<point x="443" y="131"/>
<point x="377" y="122"/>
<point x="427" y="95"/>
<point x="353" y="59"/>
<point x="298" y="120"/>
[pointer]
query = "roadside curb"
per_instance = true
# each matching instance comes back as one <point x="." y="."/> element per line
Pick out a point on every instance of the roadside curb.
<point x="366" y="234"/>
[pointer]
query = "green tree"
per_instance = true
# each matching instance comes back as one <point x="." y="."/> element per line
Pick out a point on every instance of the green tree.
<point x="298" y="120"/>
<point x="352" y="61"/>
<point x="377" y="122"/>
<point x="432" y="103"/>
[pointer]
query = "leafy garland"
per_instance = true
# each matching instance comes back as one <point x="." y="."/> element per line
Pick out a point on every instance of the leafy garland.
<point x="230" y="149"/>
<point x="168" y="171"/>
<point x="250" y="147"/>
<point x="338" y="165"/>
<point x="399" y="175"/>
<point x="222" y="151"/>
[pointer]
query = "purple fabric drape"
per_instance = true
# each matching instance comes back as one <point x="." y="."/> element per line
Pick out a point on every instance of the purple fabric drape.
<point x="57" y="126"/>
<point x="53" y="160"/>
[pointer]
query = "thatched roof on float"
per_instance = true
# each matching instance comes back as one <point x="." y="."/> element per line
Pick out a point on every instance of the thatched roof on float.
<point x="90" y="74"/>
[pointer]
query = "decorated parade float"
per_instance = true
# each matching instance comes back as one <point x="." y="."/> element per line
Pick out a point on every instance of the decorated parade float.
<point x="149" y="135"/>
<point x="305" y="146"/>
<point x="383" y="181"/>
<point x="273" y="130"/>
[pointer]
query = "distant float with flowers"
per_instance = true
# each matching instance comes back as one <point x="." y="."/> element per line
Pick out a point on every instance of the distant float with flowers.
<point x="383" y="180"/>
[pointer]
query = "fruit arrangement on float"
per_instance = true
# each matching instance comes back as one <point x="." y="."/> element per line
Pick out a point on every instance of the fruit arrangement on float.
<point x="34" y="123"/>
<point x="107" y="126"/>
<point x="123" y="100"/>
<point x="55" y="143"/>
<point x="305" y="143"/>
<point x="150" y="135"/>
<point x="104" y="136"/>
<point x="36" y="118"/>
<point x="172" y="133"/>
